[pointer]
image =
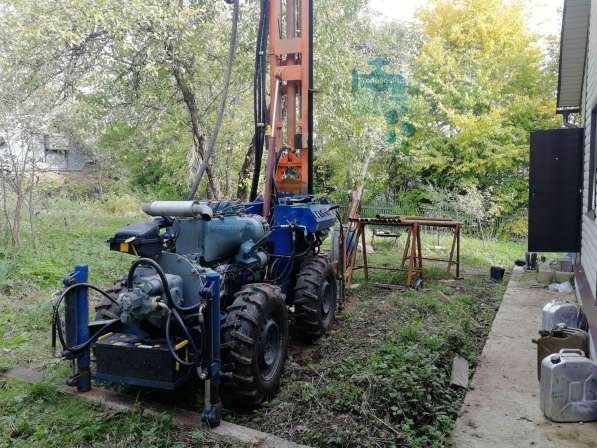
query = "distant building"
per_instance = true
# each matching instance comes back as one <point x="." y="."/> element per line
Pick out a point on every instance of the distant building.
<point x="59" y="154"/>
<point x="54" y="152"/>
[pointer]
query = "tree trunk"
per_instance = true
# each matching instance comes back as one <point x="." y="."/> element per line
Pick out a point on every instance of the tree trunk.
<point x="228" y="183"/>
<point x="244" y="175"/>
<point x="357" y="194"/>
<point x="198" y="137"/>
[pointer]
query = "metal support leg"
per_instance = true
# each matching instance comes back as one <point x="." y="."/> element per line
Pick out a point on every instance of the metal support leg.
<point x="419" y="250"/>
<point x="353" y="255"/>
<point x="77" y="326"/>
<point x="212" y="361"/>
<point x="406" y="247"/>
<point x="458" y="251"/>
<point x="364" y="243"/>
<point x="451" y="260"/>
<point x="412" y="259"/>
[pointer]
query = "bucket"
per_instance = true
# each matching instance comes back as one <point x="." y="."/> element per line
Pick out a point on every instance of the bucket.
<point x="496" y="274"/>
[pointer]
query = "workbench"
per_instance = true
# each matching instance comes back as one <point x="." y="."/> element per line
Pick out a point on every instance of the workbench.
<point x="412" y="254"/>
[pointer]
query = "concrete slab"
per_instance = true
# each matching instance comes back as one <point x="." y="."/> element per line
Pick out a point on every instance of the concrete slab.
<point x="502" y="409"/>
<point x="121" y="402"/>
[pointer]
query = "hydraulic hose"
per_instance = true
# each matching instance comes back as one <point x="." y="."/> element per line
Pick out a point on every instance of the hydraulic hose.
<point x="259" y="100"/>
<point x="227" y="77"/>
<point x="186" y="332"/>
<point x="57" y="322"/>
<point x="76" y="349"/>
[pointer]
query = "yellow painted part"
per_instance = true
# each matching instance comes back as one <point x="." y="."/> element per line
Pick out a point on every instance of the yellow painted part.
<point x="124" y="247"/>
<point x="105" y="336"/>
<point x="181" y="344"/>
<point x="186" y="354"/>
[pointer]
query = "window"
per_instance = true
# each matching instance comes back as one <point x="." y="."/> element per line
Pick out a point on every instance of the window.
<point x="591" y="197"/>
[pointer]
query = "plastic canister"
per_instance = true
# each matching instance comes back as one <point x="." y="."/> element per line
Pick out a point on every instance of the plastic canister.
<point x="569" y="387"/>
<point x="560" y="337"/>
<point x="559" y="312"/>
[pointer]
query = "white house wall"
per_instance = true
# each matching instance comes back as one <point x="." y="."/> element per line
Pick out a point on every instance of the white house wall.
<point x="589" y="224"/>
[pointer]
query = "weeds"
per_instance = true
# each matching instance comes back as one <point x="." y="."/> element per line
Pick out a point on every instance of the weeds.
<point x="380" y="379"/>
<point x="383" y="379"/>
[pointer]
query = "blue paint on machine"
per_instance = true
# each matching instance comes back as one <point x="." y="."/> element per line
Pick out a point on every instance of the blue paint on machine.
<point x="211" y="280"/>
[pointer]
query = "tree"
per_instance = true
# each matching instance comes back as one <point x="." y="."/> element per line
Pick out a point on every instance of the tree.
<point x="345" y="40"/>
<point x="18" y="171"/>
<point x="149" y="79"/>
<point x="481" y="86"/>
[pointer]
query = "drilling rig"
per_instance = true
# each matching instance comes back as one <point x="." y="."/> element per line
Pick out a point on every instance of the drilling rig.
<point x="216" y="287"/>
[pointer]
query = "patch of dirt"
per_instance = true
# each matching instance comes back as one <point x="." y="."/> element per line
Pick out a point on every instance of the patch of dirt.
<point x="330" y="397"/>
<point x="324" y="395"/>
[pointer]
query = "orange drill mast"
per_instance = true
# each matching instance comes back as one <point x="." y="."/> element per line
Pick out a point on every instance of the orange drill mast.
<point x="289" y="134"/>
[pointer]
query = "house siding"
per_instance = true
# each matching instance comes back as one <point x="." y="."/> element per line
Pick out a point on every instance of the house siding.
<point x="589" y="224"/>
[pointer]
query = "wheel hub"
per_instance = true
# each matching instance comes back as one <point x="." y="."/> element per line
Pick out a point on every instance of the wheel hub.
<point x="327" y="296"/>
<point x="270" y="348"/>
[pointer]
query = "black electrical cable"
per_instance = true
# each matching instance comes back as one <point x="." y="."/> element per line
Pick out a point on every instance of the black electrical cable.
<point x="76" y="349"/>
<point x="301" y="254"/>
<point x="218" y="125"/>
<point x="57" y="322"/>
<point x="259" y="99"/>
<point x="154" y="264"/>
<point x="310" y="105"/>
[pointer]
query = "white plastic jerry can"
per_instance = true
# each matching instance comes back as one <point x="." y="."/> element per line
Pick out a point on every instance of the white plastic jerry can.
<point x="569" y="387"/>
<point x="559" y="312"/>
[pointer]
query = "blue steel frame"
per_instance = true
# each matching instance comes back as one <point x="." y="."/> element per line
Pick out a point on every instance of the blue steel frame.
<point x="212" y="409"/>
<point x="77" y="323"/>
<point x="312" y="218"/>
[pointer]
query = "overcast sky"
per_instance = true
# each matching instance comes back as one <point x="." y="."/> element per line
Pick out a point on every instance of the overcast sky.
<point x="542" y="15"/>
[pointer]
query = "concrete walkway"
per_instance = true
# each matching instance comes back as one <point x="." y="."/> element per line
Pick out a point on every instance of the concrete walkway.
<point x="502" y="408"/>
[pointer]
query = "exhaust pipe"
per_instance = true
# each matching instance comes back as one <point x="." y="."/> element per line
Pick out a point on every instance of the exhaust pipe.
<point x="179" y="209"/>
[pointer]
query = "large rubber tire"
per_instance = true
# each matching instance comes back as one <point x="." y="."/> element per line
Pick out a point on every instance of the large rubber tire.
<point x="315" y="297"/>
<point x="107" y="309"/>
<point x="254" y="345"/>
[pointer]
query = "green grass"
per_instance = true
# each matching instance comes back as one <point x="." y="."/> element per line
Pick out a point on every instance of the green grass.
<point x="41" y="416"/>
<point x="408" y="362"/>
<point x="382" y="378"/>
<point x="65" y="234"/>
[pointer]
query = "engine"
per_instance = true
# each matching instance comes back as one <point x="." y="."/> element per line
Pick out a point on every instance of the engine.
<point x="188" y="240"/>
